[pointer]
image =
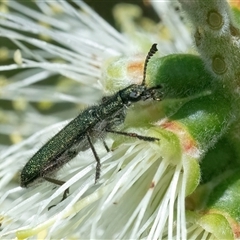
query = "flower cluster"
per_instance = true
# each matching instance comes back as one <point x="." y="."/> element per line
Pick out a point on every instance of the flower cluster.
<point x="60" y="57"/>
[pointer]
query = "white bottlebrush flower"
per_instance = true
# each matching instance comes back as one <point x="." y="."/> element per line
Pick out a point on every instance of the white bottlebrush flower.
<point x="142" y="187"/>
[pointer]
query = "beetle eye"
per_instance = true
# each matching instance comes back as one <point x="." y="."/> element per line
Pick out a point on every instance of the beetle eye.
<point x="134" y="94"/>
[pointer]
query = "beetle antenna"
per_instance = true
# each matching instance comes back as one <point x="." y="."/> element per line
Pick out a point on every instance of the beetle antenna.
<point x="151" y="52"/>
